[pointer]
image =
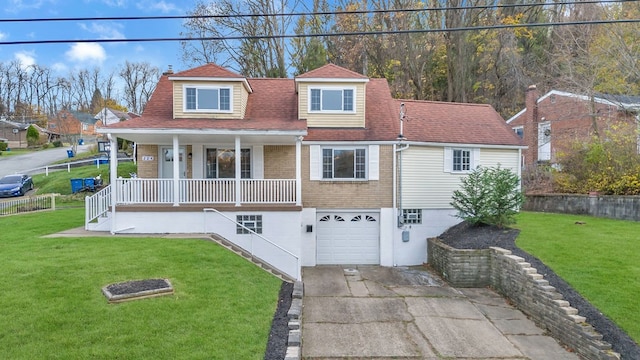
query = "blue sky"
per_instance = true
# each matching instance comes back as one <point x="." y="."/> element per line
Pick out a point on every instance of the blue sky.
<point x="68" y="56"/>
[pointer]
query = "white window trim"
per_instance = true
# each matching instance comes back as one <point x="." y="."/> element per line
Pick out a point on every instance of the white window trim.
<point x="254" y="174"/>
<point x="516" y="128"/>
<point x="372" y="162"/>
<point x="206" y="87"/>
<point x="322" y="88"/>
<point x="448" y="159"/>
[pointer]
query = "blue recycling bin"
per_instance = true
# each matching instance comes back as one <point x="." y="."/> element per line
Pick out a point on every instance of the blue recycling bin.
<point x="70" y="153"/>
<point x="90" y="184"/>
<point x="81" y="142"/>
<point x="76" y="185"/>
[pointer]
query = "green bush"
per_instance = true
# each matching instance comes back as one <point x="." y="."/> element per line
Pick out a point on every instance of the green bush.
<point x="489" y="196"/>
<point x="57" y="143"/>
<point x="3" y="146"/>
<point x="33" y="136"/>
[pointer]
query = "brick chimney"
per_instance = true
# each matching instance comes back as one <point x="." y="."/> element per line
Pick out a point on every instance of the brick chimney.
<point x="530" y="127"/>
<point x="169" y="70"/>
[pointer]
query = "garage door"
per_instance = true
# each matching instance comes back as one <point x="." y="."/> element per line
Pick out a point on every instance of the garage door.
<point x="348" y="238"/>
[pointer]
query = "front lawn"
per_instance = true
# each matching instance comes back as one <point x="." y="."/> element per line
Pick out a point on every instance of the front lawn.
<point x="51" y="304"/>
<point x="599" y="258"/>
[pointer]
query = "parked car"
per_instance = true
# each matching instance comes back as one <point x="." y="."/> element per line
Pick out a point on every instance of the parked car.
<point x="15" y="185"/>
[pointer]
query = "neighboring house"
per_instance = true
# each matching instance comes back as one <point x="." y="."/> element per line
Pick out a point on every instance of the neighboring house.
<point x="314" y="165"/>
<point x="108" y="116"/>
<point x="72" y="123"/>
<point x="16" y="132"/>
<point x="552" y="123"/>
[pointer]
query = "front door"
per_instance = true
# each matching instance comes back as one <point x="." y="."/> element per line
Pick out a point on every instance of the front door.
<point x="167" y="158"/>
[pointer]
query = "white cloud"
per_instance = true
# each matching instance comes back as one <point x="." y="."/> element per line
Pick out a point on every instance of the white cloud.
<point x="25" y="58"/>
<point x="162" y="6"/>
<point x="3" y="36"/>
<point x="86" y="52"/>
<point x="109" y="30"/>
<point x="15" y="6"/>
<point x="59" y="67"/>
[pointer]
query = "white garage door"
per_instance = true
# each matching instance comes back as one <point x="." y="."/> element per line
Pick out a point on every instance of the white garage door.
<point x="348" y="238"/>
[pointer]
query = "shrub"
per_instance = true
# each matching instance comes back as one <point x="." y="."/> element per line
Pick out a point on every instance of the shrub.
<point x="33" y="136"/>
<point x="57" y="143"/>
<point x="3" y="146"/>
<point x="489" y="196"/>
<point x="608" y="165"/>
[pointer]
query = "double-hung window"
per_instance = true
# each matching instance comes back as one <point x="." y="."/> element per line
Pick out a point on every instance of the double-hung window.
<point x="344" y="163"/>
<point x="221" y="163"/>
<point x="331" y="100"/>
<point x="461" y="160"/>
<point x="207" y="99"/>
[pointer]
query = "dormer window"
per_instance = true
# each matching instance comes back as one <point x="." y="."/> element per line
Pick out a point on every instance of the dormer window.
<point x="207" y="99"/>
<point x="331" y="100"/>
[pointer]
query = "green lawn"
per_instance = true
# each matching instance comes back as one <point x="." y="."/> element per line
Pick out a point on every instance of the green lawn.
<point x="60" y="181"/>
<point x="600" y="259"/>
<point x="52" y="307"/>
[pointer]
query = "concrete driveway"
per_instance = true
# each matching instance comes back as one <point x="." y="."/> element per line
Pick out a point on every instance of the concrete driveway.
<point x="373" y="312"/>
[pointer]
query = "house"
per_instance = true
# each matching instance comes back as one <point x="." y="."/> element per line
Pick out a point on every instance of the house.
<point x="15" y="132"/>
<point x="552" y="123"/>
<point x="317" y="167"/>
<point x="108" y="116"/>
<point x="72" y="123"/>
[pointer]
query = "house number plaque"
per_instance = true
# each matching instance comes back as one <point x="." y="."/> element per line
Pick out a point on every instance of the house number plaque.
<point x="147" y="158"/>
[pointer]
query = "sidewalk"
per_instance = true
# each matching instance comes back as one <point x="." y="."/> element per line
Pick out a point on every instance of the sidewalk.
<point x="383" y="313"/>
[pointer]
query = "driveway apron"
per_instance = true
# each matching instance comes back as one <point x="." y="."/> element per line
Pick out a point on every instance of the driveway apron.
<point x="373" y="312"/>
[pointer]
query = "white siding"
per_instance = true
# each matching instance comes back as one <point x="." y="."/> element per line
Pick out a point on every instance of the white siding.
<point x="508" y="159"/>
<point x="425" y="184"/>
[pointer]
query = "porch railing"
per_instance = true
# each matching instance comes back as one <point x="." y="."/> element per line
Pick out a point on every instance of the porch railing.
<point x="97" y="205"/>
<point x="206" y="191"/>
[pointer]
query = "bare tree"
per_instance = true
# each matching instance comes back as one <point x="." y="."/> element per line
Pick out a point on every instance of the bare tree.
<point x="251" y="57"/>
<point x="140" y="81"/>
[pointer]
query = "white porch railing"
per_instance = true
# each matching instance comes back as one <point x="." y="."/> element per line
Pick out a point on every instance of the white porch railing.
<point x="97" y="205"/>
<point x="206" y="191"/>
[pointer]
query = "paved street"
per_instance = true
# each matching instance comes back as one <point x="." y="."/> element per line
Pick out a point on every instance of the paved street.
<point x="20" y="163"/>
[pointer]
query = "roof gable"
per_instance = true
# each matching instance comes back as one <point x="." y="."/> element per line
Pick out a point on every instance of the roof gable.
<point x="331" y="71"/>
<point x="208" y="70"/>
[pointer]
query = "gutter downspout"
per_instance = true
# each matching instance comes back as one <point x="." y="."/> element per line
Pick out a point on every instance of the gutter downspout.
<point x="299" y="171"/>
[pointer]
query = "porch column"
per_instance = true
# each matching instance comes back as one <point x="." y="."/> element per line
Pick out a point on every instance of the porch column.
<point x="113" y="178"/>
<point x="238" y="174"/>
<point x="299" y="171"/>
<point x="176" y="171"/>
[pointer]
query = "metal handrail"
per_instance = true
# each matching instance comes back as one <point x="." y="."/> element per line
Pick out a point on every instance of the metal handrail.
<point x="260" y="236"/>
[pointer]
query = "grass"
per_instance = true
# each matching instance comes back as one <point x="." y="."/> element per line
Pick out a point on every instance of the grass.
<point x="600" y="259"/>
<point x="59" y="181"/>
<point x="52" y="306"/>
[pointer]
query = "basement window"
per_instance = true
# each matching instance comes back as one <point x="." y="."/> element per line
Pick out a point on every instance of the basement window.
<point x="412" y="216"/>
<point x="248" y="222"/>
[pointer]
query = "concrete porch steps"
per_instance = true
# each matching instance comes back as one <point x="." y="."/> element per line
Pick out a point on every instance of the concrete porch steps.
<point x="254" y="259"/>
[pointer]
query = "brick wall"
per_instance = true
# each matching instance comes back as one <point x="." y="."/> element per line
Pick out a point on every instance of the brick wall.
<point x="350" y="194"/>
<point x="279" y="162"/>
<point x="148" y="169"/>
<point x="515" y="279"/>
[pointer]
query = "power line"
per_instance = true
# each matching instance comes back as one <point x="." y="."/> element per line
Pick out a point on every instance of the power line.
<point x="291" y="36"/>
<point x="320" y="13"/>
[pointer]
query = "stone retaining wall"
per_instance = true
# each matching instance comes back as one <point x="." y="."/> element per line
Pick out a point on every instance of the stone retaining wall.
<point x="607" y="206"/>
<point x="515" y="279"/>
